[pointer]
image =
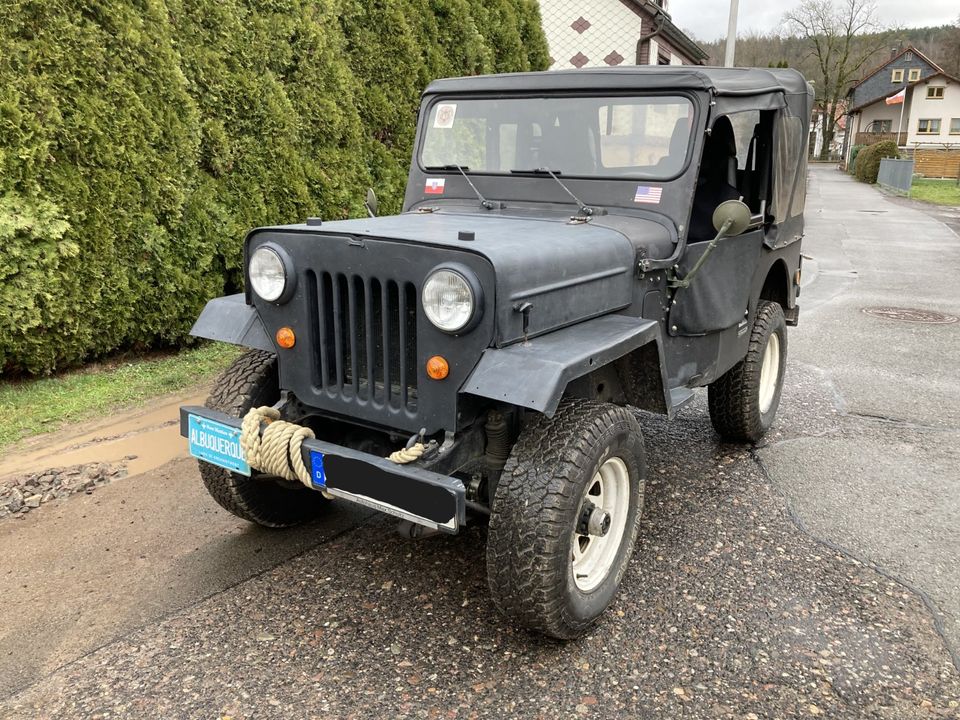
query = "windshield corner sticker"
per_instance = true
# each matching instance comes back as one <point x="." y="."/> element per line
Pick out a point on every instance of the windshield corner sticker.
<point x="434" y="186"/>
<point x="648" y="194"/>
<point x="446" y="113"/>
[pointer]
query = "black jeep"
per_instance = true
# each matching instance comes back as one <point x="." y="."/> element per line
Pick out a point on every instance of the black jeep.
<point x="573" y="245"/>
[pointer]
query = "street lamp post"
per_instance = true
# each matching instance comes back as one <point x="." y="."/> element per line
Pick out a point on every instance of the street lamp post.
<point x="731" y="34"/>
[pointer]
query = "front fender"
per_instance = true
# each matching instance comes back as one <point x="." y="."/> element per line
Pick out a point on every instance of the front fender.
<point x="229" y="319"/>
<point x="534" y="374"/>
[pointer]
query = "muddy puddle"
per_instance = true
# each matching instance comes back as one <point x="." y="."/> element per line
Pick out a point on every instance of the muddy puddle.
<point x="142" y="440"/>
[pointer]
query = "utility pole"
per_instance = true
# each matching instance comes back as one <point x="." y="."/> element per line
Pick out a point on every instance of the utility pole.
<point x="731" y="34"/>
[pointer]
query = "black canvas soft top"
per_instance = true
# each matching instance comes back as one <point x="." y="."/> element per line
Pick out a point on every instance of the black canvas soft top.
<point x="716" y="80"/>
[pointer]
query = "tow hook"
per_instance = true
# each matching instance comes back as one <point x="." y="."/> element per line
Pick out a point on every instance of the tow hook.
<point x="593" y="520"/>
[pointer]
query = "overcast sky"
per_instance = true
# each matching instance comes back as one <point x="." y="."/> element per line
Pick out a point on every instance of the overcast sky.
<point x="707" y="19"/>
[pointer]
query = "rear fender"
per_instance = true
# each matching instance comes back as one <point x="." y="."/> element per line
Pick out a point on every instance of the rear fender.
<point x="229" y="319"/>
<point x="535" y="374"/>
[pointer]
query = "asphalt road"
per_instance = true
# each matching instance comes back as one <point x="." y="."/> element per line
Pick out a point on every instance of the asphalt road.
<point x="813" y="576"/>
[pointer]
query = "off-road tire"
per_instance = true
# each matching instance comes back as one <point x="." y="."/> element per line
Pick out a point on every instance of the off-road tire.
<point x="534" y="510"/>
<point x="252" y="381"/>
<point x="734" y="398"/>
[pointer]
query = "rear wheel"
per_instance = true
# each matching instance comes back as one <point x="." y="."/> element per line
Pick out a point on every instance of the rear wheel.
<point x="565" y="517"/>
<point x="744" y="401"/>
<point x="252" y="381"/>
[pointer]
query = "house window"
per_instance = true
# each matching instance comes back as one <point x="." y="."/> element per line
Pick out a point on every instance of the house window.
<point x="880" y="126"/>
<point x="914" y="74"/>
<point x="928" y="126"/>
<point x="897" y="76"/>
<point x="955" y="126"/>
<point x="908" y="57"/>
<point x="935" y="92"/>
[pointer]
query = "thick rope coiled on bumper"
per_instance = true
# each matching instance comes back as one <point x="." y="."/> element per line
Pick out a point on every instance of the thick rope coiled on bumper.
<point x="277" y="450"/>
<point x="407" y="455"/>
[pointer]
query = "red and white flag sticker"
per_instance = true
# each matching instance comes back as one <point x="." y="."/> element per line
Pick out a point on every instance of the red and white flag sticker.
<point x="434" y="186"/>
<point x="446" y="114"/>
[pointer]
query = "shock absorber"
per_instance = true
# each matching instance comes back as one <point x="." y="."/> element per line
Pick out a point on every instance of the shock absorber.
<point x="498" y="442"/>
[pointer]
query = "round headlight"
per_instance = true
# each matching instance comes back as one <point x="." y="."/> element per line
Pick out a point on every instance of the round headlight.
<point x="448" y="300"/>
<point x="268" y="276"/>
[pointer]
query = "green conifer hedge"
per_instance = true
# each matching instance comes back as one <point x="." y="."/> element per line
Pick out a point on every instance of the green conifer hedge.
<point x="141" y="139"/>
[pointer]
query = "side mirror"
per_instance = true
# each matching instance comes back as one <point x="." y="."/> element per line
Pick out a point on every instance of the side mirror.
<point x="731" y="217"/>
<point x="371" y="203"/>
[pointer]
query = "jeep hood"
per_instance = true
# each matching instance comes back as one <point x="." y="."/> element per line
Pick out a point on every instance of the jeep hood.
<point x="567" y="272"/>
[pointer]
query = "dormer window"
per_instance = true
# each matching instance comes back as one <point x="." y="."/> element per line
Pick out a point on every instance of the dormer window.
<point x="897" y="76"/>
<point x="914" y="74"/>
<point x="908" y="56"/>
<point x="935" y="92"/>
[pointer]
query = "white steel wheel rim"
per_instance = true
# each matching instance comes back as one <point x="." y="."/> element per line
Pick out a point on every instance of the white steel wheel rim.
<point x="769" y="372"/>
<point x="593" y="556"/>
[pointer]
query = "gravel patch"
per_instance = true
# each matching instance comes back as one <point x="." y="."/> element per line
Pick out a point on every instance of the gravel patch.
<point x="22" y="494"/>
<point x="728" y="610"/>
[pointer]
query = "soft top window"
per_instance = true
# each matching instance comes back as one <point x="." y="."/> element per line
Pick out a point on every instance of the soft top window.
<point x="644" y="137"/>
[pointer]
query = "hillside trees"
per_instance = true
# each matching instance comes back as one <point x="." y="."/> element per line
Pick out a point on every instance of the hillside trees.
<point x="831" y="28"/>
<point x="940" y="43"/>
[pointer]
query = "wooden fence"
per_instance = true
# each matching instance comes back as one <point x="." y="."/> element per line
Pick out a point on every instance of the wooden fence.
<point x="937" y="163"/>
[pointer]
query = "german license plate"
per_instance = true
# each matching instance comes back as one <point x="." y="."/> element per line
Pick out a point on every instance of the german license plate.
<point x="393" y="493"/>
<point x="217" y="444"/>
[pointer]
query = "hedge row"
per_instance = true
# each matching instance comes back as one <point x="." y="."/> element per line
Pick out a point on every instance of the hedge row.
<point x="140" y="139"/>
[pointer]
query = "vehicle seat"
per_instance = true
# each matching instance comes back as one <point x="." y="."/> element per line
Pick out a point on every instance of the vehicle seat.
<point x="717" y="181"/>
<point x="671" y="163"/>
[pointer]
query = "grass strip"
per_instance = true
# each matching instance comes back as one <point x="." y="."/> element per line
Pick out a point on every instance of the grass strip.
<point x="938" y="192"/>
<point x="30" y="407"/>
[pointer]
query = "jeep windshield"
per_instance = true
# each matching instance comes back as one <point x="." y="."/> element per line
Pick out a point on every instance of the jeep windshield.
<point x="641" y="137"/>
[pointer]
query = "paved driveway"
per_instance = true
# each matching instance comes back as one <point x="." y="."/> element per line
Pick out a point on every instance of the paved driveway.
<point x="812" y="576"/>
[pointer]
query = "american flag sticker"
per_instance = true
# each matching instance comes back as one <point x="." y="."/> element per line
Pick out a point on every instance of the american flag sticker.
<point x="434" y="186"/>
<point x="647" y="194"/>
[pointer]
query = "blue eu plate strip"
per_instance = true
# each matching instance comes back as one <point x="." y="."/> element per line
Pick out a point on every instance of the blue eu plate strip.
<point x="316" y="469"/>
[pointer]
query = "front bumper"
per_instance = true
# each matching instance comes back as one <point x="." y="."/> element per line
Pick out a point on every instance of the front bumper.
<point x="427" y="498"/>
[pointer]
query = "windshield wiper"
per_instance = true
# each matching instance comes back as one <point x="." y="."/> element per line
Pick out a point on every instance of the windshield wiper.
<point x="462" y="169"/>
<point x="584" y="209"/>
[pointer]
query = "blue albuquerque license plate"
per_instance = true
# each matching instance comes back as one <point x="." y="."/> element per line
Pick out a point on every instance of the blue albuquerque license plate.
<point x="217" y="444"/>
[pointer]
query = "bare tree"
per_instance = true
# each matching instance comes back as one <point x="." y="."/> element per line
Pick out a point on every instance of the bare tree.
<point x="832" y="28"/>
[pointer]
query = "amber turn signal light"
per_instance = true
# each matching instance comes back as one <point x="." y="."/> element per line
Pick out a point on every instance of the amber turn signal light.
<point x="285" y="338"/>
<point x="438" y="368"/>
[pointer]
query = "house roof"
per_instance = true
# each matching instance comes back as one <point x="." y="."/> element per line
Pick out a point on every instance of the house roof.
<point x="878" y="68"/>
<point x="925" y="78"/>
<point x="679" y="38"/>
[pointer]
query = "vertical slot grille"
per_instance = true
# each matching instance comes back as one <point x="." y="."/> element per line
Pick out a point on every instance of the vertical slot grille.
<point x="364" y="339"/>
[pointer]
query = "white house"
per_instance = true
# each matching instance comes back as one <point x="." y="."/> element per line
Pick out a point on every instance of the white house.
<point x="933" y="109"/>
<point x="908" y="99"/>
<point x="599" y="33"/>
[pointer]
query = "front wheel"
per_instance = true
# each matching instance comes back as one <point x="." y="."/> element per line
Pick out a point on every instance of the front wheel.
<point x="565" y="516"/>
<point x="252" y="381"/>
<point x="744" y="401"/>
